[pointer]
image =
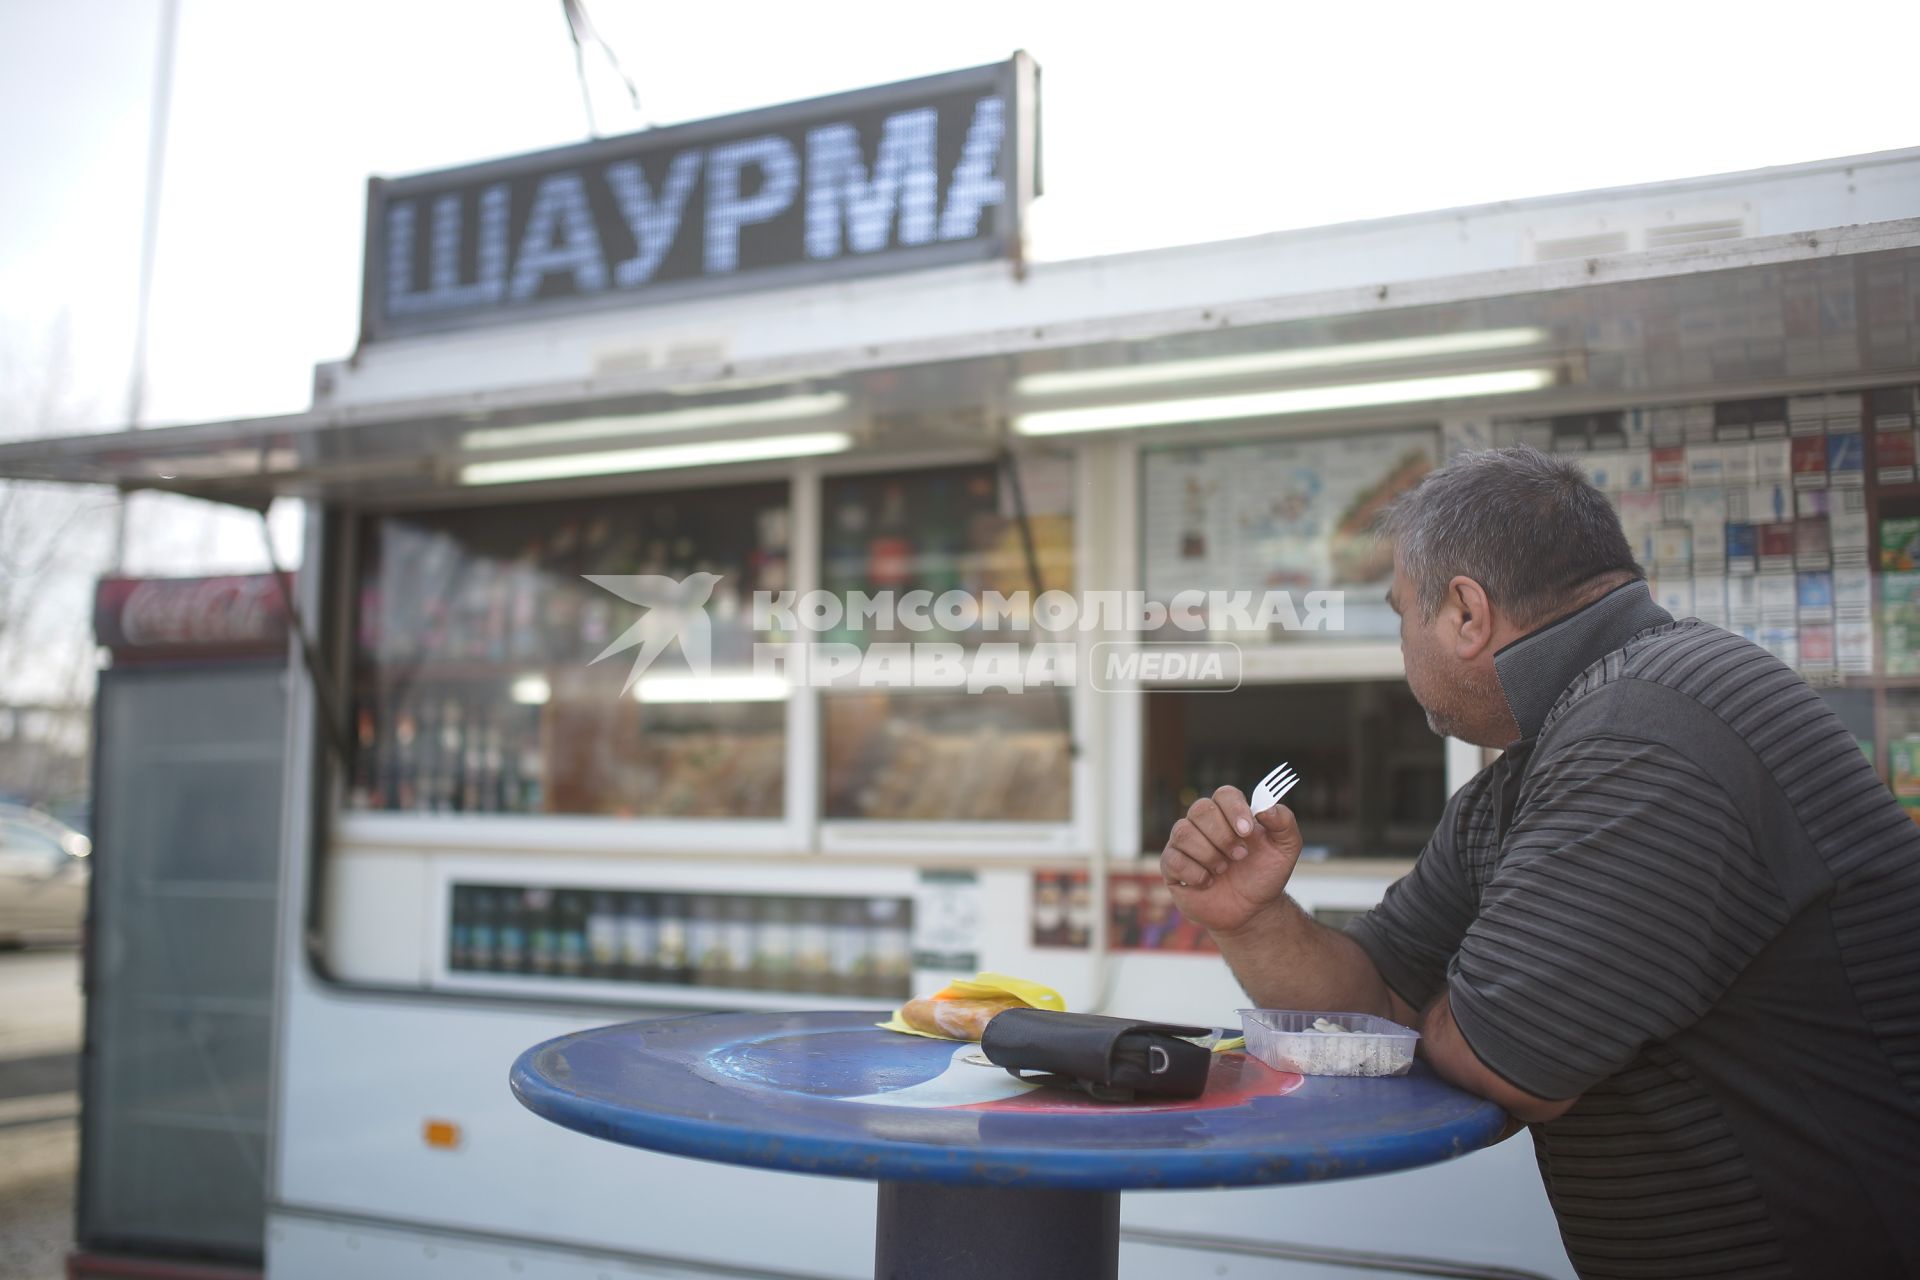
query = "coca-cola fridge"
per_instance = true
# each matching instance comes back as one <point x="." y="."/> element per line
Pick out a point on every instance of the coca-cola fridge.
<point x="188" y="750"/>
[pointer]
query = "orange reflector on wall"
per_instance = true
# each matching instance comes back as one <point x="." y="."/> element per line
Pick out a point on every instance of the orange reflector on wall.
<point x="442" y="1133"/>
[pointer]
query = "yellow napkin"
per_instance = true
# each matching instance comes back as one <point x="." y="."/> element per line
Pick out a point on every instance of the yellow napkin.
<point x="983" y="986"/>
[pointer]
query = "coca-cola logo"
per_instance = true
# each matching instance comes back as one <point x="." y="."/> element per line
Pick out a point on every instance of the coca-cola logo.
<point x="202" y="611"/>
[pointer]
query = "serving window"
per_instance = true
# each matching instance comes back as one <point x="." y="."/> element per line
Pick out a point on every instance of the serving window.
<point x="492" y="676"/>
<point x="1372" y="774"/>
<point x="936" y="753"/>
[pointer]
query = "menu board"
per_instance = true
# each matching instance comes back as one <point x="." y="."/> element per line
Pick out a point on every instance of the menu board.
<point x="1293" y="515"/>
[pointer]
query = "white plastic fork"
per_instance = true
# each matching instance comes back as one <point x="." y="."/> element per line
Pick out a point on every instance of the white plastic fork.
<point x="1274" y="787"/>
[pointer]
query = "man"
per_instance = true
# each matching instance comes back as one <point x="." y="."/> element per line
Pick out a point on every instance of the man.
<point x="1672" y="927"/>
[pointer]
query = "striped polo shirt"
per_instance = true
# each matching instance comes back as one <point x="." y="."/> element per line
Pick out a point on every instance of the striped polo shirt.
<point x="1684" y="897"/>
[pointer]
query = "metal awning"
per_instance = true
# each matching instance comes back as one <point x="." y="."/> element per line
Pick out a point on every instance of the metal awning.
<point x="1736" y="319"/>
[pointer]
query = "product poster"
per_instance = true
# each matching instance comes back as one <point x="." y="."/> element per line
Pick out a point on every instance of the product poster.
<point x="1141" y="917"/>
<point x="1293" y="515"/>
<point x="1062" y="909"/>
<point x="946" y="921"/>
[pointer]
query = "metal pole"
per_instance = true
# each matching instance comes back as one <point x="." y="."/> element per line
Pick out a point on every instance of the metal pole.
<point x="149" y="235"/>
<point x="929" y="1232"/>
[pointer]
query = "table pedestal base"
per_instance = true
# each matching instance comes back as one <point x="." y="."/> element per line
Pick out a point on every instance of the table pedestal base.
<point x="931" y="1232"/>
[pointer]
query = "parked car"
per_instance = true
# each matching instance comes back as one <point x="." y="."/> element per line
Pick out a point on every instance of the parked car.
<point x="43" y="877"/>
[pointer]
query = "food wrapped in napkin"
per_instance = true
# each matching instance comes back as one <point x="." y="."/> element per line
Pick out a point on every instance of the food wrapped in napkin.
<point x="961" y="1010"/>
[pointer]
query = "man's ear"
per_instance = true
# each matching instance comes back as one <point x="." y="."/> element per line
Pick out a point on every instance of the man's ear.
<point x="1473" y="618"/>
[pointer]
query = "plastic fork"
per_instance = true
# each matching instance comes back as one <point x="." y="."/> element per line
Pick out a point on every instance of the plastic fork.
<point x="1273" y="787"/>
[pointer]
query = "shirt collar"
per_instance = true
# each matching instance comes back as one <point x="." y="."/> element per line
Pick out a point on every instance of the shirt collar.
<point x="1537" y="668"/>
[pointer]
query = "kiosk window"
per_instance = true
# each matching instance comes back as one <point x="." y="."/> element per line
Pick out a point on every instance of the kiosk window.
<point x="943" y="753"/>
<point x="1372" y="775"/>
<point x="489" y="675"/>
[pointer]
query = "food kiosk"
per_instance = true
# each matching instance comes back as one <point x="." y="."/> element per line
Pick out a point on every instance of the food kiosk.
<point x="799" y="354"/>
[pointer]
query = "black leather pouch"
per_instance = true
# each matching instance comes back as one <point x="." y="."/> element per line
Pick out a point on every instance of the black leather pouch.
<point x="1113" y="1059"/>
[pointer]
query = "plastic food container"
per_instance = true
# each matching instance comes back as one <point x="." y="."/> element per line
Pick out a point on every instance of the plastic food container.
<point x="1285" y="1039"/>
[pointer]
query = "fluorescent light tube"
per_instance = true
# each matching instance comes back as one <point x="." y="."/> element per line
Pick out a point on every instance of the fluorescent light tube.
<point x="1264" y="404"/>
<point x="748" y="413"/>
<point x="711" y="688"/>
<point x="658" y="458"/>
<point x="1258" y="362"/>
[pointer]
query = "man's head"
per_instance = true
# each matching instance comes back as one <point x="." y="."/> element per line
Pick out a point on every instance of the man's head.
<point x="1487" y="549"/>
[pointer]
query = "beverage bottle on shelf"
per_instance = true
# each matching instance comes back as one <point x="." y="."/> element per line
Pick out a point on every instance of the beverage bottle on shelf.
<point x="889" y="944"/>
<point x="483" y="931"/>
<point x="543" y="944"/>
<point x="426" y="774"/>
<point x="523" y="619"/>
<point x="532" y="770"/>
<point x="494" y="763"/>
<point x="452" y="756"/>
<point x="848" y="956"/>
<point x="570" y="932"/>
<point x="890" y="554"/>
<point x="510" y="951"/>
<point x="386" y="754"/>
<point x="460" y="930"/>
<point x="703" y="942"/>
<point x="812" y="947"/>
<point x="406" y="734"/>
<point x="499" y="610"/>
<point x="639" y="938"/>
<point x="565" y="594"/>
<point x="476" y="786"/>
<point x="671" y="945"/>
<point x="364" y="791"/>
<point x="740" y="941"/>
<point x="596" y="611"/>
<point x="603" y="937"/>
<point x="774" y="945"/>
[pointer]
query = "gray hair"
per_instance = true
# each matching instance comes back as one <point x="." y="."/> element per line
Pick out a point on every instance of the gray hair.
<point x="1529" y="528"/>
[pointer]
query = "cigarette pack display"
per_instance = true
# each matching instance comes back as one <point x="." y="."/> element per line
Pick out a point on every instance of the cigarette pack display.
<point x="1900" y="543"/>
<point x="1779" y="598"/>
<point x="1776" y="547"/>
<point x="1670" y="466"/>
<point x="1606" y="471"/>
<point x="1816" y="646"/>
<point x="1705" y="465"/>
<point x="1812" y="544"/>
<point x="1852" y="592"/>
<point x="1636" y="469"/>
<point x="1846" y="459"/>
<point x="1710" y="599"/>
<point x="1853" y="646"/>
<point x="1893" y="456"/>
<point x="1772" y="460"/>
<point x="1675" y="595"/>
<point x="1809" y="461"/>
<point x="1737" y="463"/>
<point x="1673" y="546"/>
<point x="1815" y="596"/>
<point x="1769" y="503"/>
<point x="1743" y="599"/>
<point x="1743" y="548"/>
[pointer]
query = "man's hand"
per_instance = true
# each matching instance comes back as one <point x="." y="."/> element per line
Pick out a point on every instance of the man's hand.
<point x="1226" y="865"/>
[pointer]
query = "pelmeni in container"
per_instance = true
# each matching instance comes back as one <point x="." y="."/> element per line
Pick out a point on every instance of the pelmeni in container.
<point x="1329" y="1044"/>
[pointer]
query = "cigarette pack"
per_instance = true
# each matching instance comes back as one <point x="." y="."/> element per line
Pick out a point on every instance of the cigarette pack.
<point x="1809" y="461"/>
<point x="1900" y="543"/>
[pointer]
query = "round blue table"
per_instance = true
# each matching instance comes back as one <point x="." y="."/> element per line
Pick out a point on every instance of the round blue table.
<point x="980" y="1174"/>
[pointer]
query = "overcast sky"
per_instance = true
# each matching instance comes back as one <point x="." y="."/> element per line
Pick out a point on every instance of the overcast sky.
<point x="1163" y="124"/>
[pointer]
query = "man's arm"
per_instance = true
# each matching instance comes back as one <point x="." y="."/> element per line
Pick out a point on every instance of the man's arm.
<point x="1285" y="959"/>
<point x="1454" y="1061"/>
<point x="1228" y="869"/>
